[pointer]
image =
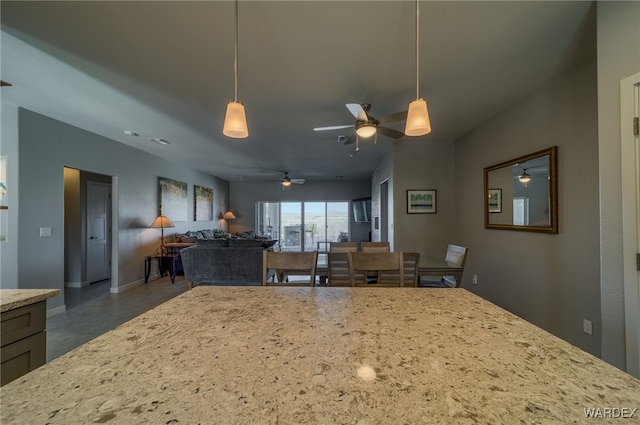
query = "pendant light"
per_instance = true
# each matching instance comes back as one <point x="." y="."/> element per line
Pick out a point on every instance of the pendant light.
<point x="235" y="120"/>
<point x="418" y="123"/>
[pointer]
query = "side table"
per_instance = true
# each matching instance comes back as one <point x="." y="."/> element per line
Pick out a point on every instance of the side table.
<point x="166" y="263"/>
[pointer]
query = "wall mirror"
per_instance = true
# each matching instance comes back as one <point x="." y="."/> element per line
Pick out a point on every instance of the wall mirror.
<point x="522" y="194"/>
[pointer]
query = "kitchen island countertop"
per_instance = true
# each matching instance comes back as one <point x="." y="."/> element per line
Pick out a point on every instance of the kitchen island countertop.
<point x="270" y="355"/>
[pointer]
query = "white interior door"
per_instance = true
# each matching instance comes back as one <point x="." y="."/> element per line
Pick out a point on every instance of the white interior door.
<point x="98" y="247"/>
<point x="630" y="111"/>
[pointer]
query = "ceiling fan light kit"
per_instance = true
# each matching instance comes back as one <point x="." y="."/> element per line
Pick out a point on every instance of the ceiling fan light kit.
<point x="235" y="120"/>
<point x="366" y="129"/>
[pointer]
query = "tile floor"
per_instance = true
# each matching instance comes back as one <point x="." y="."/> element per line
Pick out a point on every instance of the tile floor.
<point x="92" y="311"/>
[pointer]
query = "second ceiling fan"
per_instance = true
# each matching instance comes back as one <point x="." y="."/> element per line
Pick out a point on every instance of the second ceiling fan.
<point x="366" y="125"/>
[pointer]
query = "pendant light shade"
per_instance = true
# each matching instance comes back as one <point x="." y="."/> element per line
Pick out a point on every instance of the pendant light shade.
<point x="418" y="123"/>
<point x="235" y="121"/>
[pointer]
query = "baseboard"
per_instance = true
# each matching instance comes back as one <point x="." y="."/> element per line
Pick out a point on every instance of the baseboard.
<point x="56" y="310"/>
<point x="76" y="284"/>
<point x="126" y="286"/>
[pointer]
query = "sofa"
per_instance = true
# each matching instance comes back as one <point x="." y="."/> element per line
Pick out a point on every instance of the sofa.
<point x="223" y="261"/>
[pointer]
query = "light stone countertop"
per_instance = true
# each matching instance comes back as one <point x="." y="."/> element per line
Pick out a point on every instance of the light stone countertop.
<point x="11" y="299"/>
<point x="271" y="355"/>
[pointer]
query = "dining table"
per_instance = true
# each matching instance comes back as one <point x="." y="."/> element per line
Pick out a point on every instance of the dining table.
<point x="324" y="355"/>
<point x="428" y="266"/>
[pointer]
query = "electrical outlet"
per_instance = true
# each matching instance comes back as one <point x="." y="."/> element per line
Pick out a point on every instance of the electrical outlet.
<point x="475" y="279"/>
<point x="587" y="326"/>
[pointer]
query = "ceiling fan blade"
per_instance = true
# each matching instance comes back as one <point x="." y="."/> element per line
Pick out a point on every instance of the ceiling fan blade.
<point x="350" y="139"/>
<point x="357" y="111"/>
<point x="398" y="116"/>
<point x="298" y="181"/>
<point x="389" y="132"/>
<point x="333" y="127"/>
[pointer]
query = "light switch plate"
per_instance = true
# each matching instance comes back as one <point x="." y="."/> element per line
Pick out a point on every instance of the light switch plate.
<point x="45" y="231"/>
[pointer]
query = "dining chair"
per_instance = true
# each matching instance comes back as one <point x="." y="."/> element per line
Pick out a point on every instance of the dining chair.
<point x="302" y="265"/>
<point x="456" y="255"/>
<point x="389" y="267"/>
<point x="375" y="247"/>
<point x="343" y="246"/>
<point x="338" y="269"/>
<point x="411" y="262"/>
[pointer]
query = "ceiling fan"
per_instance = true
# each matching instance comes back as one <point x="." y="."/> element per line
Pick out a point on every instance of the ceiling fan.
<point x="366" y="125"/>
<point x="286" y="181"/>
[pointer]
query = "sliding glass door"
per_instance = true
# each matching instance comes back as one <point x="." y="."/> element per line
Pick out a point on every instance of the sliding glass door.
<point x="303" y="226"/>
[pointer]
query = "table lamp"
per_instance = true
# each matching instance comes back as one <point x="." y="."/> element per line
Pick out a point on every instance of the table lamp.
<point x="161" y="222"/>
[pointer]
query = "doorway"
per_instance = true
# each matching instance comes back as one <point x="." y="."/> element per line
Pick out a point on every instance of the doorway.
<point x="89" y="216"/>
<point x="630" y="164"/>
<point x="384" y="211"/>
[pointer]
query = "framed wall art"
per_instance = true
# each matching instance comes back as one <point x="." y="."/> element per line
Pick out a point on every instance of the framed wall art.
<point x="495" y="200"/>
<point x="421" y="201"/>
<point x="173" y="199"/>
<point x="203" y="203"/>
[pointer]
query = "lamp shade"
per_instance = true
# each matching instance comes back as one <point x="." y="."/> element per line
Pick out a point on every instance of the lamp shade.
<point x="229" y="215"/>
<point x="418" y="123"/>
<point x="235" y="121"/>
<point x="161" y="222"/>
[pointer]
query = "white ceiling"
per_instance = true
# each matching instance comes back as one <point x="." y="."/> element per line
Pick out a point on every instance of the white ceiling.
<point x="165" y="69"/>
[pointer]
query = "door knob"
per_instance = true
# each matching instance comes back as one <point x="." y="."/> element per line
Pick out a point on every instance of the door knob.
<point x="93" y="237"/>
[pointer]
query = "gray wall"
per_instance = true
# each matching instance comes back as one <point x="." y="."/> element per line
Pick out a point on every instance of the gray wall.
<point x="550" y="280"/>
<point x="422" y="164"/>
<point x="46" y="146"/>
<point x="244" y="195"/>
<point x="618" y="57"/>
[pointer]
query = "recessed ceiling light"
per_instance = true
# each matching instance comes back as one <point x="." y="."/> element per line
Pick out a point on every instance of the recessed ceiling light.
<point x="158" y="140"/>
<point x="131" y="133"/>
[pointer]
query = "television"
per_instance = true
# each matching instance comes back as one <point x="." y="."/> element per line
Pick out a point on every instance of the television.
<point x="361" y="210"/>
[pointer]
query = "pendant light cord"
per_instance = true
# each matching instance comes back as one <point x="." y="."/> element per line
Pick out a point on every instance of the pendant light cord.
<point x="235" y="62"/>
<point x="417" y="50"/>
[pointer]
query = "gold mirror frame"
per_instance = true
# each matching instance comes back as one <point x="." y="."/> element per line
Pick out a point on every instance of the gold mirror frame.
<point x="552" y="226"/>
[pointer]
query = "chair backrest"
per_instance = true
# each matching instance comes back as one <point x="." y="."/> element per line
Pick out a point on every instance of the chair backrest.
<point x="456" y="255"/>
<point x="338" y="269"/>
<point x="361" y="263"/>
<point x="411" y="262"/>
<point x="343" y="246"/>
<point x="375" y="247"/>
<point x="289" y="264"/>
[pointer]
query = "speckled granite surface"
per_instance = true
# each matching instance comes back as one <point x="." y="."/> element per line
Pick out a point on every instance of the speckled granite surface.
<point x="15" y="298"/>
<point x="269" y="355"/>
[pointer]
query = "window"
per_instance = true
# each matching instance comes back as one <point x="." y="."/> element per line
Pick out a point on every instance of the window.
<point x="303" y="226"/>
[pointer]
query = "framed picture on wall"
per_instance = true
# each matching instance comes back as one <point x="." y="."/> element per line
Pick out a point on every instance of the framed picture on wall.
<point x="203" y="203"/>
<point x="421" y="201"/>
<point x="173" y="199"/>
<point x="495" y="200"/>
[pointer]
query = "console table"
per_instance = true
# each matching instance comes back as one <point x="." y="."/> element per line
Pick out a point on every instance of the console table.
<point x="166" y="264"/>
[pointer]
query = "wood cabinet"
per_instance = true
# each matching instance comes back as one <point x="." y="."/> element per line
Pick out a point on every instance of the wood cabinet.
<point x="22" y="331"/>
